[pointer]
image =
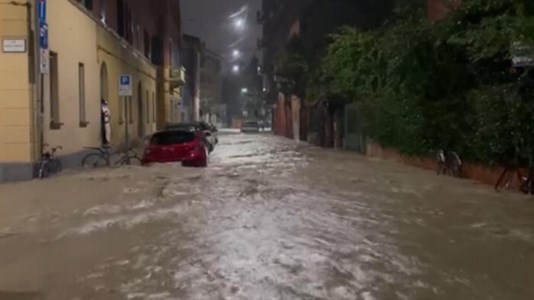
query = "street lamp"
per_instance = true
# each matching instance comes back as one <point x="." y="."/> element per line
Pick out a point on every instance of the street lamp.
<point x="235" y="68"/>
<point x="239" y="23"/>
<point x="244" y="90"/>
<point x="235" y="53"/>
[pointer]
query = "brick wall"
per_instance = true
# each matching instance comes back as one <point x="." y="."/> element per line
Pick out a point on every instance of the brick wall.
<point x="477" y="172"/>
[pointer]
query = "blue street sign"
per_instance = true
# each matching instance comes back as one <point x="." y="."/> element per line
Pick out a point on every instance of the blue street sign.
<point x="125" y="80"/>
<point x="42" y="10"/>
<point x="43" y="35"/>
<point x="125" y="85"/>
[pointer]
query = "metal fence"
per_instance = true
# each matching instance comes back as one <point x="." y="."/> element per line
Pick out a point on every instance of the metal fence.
<point x="354" y="138"/>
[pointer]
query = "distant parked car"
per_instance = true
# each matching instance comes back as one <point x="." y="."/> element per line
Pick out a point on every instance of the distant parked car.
<point x="215" y="133"/>
<point x="250" y="127"/>
<point x="185" y="146"/>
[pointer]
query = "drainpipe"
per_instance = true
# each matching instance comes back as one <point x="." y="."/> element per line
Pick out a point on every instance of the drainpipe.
<point x="38" y="91"/>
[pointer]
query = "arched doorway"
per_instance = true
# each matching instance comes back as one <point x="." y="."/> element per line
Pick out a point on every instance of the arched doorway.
<point x="140" y="111"/>
<point x="104" y="95"/>
<point x="104" y="82"/>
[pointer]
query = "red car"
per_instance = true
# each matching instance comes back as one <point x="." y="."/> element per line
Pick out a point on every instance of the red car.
<point x="187" y="147"/>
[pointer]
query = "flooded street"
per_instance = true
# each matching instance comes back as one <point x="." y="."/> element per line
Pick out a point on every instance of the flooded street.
<point x="269" y="219"/>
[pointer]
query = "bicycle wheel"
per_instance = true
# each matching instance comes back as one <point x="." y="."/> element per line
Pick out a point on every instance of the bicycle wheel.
<point x="455" y="165"/>
<point x="440" y="162"/>
<point x="43" y="170"/>
<point x="55" y="166"/>
<point x="504" y="180"/>
<point x="130" y="160"/>
<point x="527" y="183"/>
<point x="94" y="160"/>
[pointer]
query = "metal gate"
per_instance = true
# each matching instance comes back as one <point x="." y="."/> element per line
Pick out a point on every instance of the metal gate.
<point x="355" y="139"/>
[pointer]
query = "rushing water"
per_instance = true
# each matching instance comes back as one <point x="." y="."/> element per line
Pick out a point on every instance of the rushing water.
<point x="269" y="219"/>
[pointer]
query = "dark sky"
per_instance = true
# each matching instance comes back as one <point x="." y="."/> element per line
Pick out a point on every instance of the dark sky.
<point x="214" y="22"/>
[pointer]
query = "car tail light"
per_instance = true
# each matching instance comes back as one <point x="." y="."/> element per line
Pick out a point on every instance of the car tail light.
<point x="196" y="151"/>
<point x="150" y="150"/>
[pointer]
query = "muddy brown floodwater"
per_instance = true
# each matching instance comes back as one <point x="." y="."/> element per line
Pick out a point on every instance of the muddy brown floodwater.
<point x="269" y="219"/>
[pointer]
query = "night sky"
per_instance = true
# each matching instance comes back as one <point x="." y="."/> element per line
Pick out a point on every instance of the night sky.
<point x="214" y="22"/>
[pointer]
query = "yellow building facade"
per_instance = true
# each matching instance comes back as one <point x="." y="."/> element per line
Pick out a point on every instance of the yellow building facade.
<point x="86" y="61"/>
<point x="17" y="91"/>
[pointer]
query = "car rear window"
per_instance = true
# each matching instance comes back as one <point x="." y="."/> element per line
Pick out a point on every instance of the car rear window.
<point x="185" y="127"/>
<point x="172" y="138"/>
<point x="252" y="124"/>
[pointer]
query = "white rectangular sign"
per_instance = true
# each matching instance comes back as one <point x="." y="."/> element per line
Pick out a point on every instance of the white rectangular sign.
<point x="125" y="85"/>
<point x="14" y="45"/>
<point x="44" y="61"/>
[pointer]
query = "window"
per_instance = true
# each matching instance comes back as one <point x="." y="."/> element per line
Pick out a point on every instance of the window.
<point x="88" y="4"/>
<point x="54" y="92"/>
<point x="147" y="44"/>
<point x="172" y="138"/>
<point x="129" y="27"/>
<point x="121" y="18"/>
<point x="153" y="107"/>
<point x="147" y="101"/>
<point x="156" y="51"/>
<point x="139" y="37"/>
<point x="134" y="38"/>
<point x="81" y="94"/>
<point x="171" y="51"/>
<point x="125" y="26"/>
<point x="103" y="11"/>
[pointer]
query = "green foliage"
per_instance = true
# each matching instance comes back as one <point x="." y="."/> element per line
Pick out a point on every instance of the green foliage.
<point x="445" y="85"/>
<point x="292" y="69"/>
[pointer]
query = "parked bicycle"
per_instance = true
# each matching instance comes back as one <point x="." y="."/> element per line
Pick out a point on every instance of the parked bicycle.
<point x="49" y="163"/>
<point x="506" y="180"/>
<point x="101" y="157"/>
<point x="449" y="163"/>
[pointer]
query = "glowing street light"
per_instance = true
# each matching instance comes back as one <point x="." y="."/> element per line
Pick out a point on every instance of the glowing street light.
<point x="235" y="68"/>
<point x="239" y="23"/>
<point x="236" y="53"/>
<point x="244" y="90"/>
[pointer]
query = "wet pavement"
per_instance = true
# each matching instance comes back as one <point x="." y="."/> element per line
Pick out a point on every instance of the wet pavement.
<point x="269" y="219"/>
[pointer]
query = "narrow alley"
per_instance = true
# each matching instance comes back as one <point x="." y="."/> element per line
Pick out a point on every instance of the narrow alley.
<point x="269" y="219"/>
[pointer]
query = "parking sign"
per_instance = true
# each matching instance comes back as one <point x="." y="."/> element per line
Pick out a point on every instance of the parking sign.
<point x="125" y="85"/>
<point x="43" y="35"/>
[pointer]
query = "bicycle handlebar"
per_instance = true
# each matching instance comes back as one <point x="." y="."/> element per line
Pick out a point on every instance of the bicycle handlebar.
<point x="53" y="149"/>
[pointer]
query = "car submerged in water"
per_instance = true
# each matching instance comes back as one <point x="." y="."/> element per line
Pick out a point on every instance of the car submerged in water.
<point x="177" y="145"/>
<point x="250" y="127"/>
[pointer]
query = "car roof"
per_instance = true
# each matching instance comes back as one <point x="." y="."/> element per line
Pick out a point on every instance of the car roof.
<point x="173" y="131"/>
<point x="182" y="125"/>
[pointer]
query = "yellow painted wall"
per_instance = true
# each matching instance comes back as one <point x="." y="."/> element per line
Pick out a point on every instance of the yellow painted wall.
<point x="122" y="60"/>
<point x="78" y="38"/>
<point x="15" y="88"/>
<point x="168" y="98"/>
